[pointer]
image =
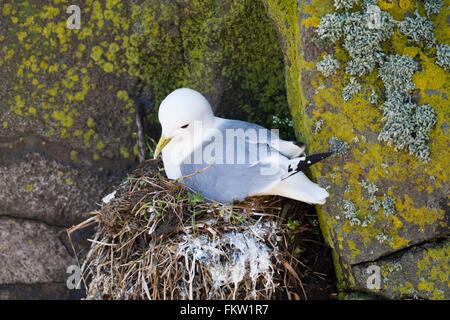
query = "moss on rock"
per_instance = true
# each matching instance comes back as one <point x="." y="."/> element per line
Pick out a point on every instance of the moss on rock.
<point x="418" y="190"/>
<point x="226" y="50"/>
<point x="419" y="273"/>
<point x="53" y="74"/>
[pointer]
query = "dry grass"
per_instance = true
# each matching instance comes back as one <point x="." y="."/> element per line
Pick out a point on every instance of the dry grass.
<point x="156" y="240"/>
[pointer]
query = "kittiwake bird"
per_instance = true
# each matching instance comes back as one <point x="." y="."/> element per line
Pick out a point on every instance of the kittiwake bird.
<point x="227" y="160"/>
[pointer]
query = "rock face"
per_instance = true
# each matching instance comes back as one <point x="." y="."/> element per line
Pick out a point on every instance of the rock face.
<point x="421" y="271"/>
<point x="31" y="252"/>
<point x="37" y="188"/>
<point x="69" y="99"/>
<point x="66" y="135"/>
<point x="370" y="172"/>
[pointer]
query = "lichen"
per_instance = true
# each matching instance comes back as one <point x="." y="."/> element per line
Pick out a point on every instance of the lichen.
<point x="419" y="273"/>
<point x="352" y="88"/>
<point x="350" y="213"/>
<point x="338" y="146"/>
<point x="396" y="73"/>
<point x="406" y="125"/>
<point x="373" y="99"/>
<point x="328" y="65"/>
<point x="402" y="127"/>
<point x="330" y="27"/>
<point x="318" y="126"/>
<point x="312" y="100"/>
<point x="344" y="4"/>
<point x="363" y="43"/>
<point x="375" y="202"/>
<point x="388" y="204"/>
<point x="418" y="29"/>
<point x="433" y="6"/>
<point x="443" y="56"/>
<point x="371" y="189"/>
<point x="383" y="238"/>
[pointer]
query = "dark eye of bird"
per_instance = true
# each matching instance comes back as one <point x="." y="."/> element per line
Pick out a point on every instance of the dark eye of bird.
<point x="185" y="126"/>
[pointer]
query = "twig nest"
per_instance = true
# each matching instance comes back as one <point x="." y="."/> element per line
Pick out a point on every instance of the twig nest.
<point x="157" y="240"/>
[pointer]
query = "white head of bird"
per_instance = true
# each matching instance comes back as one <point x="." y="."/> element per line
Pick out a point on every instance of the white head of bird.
<point x="181" y="113"/>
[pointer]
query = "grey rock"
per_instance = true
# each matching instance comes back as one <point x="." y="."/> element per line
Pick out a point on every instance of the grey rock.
<point x="37" y="188"/>
<point x="30" y="252"/>
<point x="417" y="211"/>
<point x="421" y="272"/>
<point x="46" y="291"/>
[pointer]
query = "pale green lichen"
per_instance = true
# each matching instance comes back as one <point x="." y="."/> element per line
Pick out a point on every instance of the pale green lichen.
<point x="443" y="56"/>
<point x="371" y="189"/>
<point x="228" y="51"/>
<point x="338" y="146"/>
<point x="318" y="126"/>
<point x="396" y="73"/>
<point x="405" y="124"/>
<point x="344" y="4"/>
<point x="352" y="88"/>
<point x="388" y="204"/>
<point x="350" y="212"/>
<point x="330" y="27"/>
<point x="328" y="65"/>
<point x="363" y="43"/>
<point x="369" y="3"/>
<point x="375" y="203"/>
<point x="433" y="6"/>
<point x="418" y="29"/>
<point x="383" y="238"/>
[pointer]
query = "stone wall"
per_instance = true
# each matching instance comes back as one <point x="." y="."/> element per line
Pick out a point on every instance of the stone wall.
<point x="69" y="99"/>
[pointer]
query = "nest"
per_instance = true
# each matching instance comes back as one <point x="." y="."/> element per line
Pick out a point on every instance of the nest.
<point x="157" y="240"/>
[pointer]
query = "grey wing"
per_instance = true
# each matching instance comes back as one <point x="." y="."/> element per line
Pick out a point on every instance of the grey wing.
<point x="226" y="182"/>
<point x="289" y="149"/>
<point x="229" y="180"/>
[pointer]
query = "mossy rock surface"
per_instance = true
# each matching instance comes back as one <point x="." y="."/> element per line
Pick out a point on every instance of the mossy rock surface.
<point x="419" y="189"/>
<point x="68" y="98"/>
<point x="72" y="95"/>
<point x="68" y="87"/>
<point x="420" y="272"/>
<point x="79" y="88"/>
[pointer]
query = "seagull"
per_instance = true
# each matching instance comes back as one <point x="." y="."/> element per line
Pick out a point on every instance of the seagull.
<point x="229" y="160"/>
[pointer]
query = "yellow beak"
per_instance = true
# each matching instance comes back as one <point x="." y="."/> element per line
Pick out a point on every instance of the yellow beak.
<point x="163" y="141"/>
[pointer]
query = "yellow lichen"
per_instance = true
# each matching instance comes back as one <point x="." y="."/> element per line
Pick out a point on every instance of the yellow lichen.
<point x="108" y="67"/>
<point x="124" y="152"/>
<point x="311" y="22"/>
<point x="73" y="155"/>
<point x="7" y="9"/>
<point x="32" y="110"/>
<point x="64" y="118"/>
<point x="419" y="216"/>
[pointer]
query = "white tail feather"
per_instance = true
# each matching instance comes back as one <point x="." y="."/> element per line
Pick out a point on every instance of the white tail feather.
<point x="300" y="188"/>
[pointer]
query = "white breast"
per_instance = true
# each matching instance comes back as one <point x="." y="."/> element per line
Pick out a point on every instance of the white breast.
<point x="172" y="158"/>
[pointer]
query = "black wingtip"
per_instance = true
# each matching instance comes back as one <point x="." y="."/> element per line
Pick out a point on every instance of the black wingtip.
<point x="312" y="159"/>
